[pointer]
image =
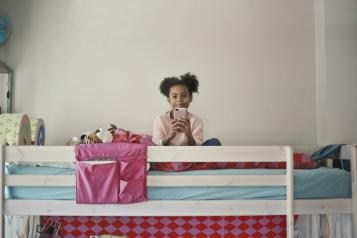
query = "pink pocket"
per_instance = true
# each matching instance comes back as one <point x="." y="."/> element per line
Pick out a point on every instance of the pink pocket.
<point x="132" y="169"/>
<point x="133" y="191"/>
<point x="132" y="181"/>
<point x="97" y="183"/>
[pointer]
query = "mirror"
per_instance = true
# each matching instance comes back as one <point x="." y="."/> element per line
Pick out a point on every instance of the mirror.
<point x="5" y="88"/>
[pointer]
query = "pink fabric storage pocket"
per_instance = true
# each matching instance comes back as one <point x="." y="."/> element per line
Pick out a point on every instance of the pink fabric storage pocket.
<point x="132" y="191"/>
<point x="132" y="180"/>
<point x="132" y="169"/>
<point x="97" y="183"/>
<point x="122" y="180"/>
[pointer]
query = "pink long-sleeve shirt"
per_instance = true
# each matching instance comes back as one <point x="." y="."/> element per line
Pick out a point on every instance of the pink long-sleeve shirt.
<point x="162" y="125"/>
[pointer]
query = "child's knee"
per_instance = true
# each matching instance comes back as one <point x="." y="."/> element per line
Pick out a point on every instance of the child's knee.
<point x="212" y="142"/>
<point x="215" y="141"/>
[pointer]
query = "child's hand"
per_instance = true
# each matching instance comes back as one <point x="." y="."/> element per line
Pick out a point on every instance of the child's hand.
<point x="177" y="126"/>
<point x="173" y="131"/>
<point x="185" y="126"/>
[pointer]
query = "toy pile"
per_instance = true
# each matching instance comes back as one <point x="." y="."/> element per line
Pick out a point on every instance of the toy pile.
<point x="112" y="135"/>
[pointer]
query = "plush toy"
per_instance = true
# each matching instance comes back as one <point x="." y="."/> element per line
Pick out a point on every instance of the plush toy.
<point x="98" y="136"/>
<point x="112" y="134"/>
<point x="105" y="136"/>
<point x="90" y="138"/>
<point x="112" y="128"/>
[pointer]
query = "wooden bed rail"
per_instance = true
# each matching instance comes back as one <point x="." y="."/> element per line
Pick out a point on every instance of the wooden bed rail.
<point x="55" y="154"/>
<point x="157" y="153"/>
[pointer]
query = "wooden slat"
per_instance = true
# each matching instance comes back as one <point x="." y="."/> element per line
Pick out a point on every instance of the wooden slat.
<point x="39" y="154"/>
<point x="156" y="153"/>
<point x="216" y="153"/>
<point x="156" y="180"/>
<point x="323" y="206"/>
<point x="178" y="208"/>
<point x="289" y="193"/>
<point x="150" y="208"/>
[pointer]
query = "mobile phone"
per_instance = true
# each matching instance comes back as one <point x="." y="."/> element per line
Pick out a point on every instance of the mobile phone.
<point x="180" y="112"/>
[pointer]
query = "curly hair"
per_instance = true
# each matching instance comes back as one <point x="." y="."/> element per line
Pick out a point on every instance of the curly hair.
<point x="189" y="80"/>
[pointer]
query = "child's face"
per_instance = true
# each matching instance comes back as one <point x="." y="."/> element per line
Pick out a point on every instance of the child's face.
<point x="179" y="96"/>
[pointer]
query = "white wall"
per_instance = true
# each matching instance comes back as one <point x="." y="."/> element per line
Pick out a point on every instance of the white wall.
<point x="84" y="64"/>
<point x="337" y="64"/>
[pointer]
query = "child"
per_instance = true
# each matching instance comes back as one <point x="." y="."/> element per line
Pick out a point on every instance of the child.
<point x="181" y="131"/>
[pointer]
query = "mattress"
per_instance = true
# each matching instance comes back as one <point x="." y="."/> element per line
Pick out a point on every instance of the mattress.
<point x="309" y="184"/>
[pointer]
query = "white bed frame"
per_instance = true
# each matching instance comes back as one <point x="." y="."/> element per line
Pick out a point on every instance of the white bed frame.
<point x="287" y="207"/>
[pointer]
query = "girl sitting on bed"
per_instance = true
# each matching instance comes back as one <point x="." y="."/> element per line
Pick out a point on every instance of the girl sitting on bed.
<point x="185" y="130"/>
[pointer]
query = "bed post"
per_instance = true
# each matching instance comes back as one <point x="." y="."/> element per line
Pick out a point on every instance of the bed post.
<point x="289" y="192"/>
<point x="2" y="197"/>
<point x="353" y="152"/>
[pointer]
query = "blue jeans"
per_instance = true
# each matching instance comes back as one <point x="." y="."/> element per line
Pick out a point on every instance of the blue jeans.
<point x="212" y="142"/>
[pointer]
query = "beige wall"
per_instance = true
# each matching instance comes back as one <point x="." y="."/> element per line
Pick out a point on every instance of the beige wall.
<point x="337" y="64"/>
<point x="84" y="64"/>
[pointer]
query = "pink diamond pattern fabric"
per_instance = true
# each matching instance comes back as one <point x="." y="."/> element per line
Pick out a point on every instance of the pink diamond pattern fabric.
<point x="201" y="227"/>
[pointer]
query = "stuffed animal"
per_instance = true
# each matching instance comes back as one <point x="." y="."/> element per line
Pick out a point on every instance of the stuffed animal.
<point x="104" y="136"/>
<point x="112" y="128"/>
<point x="90" y="138"/>
<point x="112" y="134"/>
<point x="98" y="136"/>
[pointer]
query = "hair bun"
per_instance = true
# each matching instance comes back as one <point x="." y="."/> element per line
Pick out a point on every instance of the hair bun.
<point x="191" y="81"/>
